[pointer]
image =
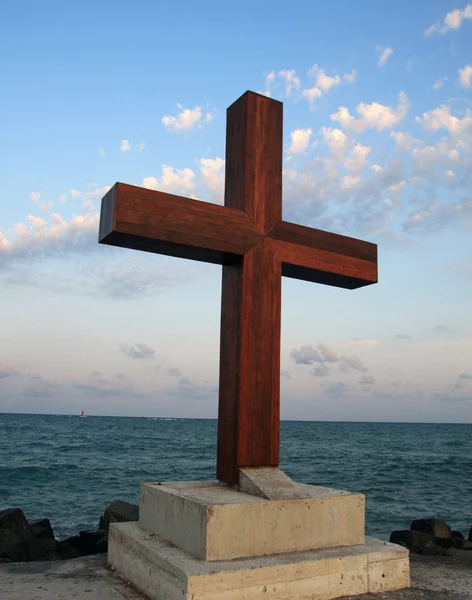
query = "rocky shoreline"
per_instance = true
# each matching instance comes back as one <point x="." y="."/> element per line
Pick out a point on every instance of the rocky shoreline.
<point x="23" y="541"/>
<point x="431" y="536"/>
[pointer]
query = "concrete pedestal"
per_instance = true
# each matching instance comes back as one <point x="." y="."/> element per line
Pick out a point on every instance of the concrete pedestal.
<point x="212" y="521"/>
<point x="208" y="541"/>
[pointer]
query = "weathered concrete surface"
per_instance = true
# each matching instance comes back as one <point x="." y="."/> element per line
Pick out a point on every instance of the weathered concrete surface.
<point x="432" y="578"/>
<point x="85" y="578"/>
<point x="213" y="521"/>
<point x="163" y="572"/>
<point x="270" y="483"/>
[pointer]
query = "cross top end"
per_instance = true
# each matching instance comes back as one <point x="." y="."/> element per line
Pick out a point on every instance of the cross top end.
<point x="256" y="247"/>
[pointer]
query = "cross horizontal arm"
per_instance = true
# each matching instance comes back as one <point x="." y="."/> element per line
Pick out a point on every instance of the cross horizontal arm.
<point x="142" y="219"/>
<point x="324" y="257"/>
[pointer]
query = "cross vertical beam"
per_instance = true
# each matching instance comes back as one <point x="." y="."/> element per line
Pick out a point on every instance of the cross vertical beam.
<point x="249" y="388"/>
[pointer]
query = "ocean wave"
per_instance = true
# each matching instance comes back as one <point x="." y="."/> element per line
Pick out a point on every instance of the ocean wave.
<point x="51" y="467"/>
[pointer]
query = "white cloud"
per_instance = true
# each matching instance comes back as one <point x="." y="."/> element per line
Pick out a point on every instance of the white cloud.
<point x="4" y="243"/>
<point x="306" y="355"/>
<point x="312" y="94"/>
<point x="184" y="181"/>
<point x="300" y="140"/>
<point x="336" y="141"/>
<point x="439" y="216"/>
<point x="465" y="76"/>
<point x="175" y="181"/>
<point x="139" y="351"/>
<point x="324" y="82"/>
<point x="292" y="82"/>
<point x="384" y="55"/>
<point x="375" y="115"/>
<point x="39" y="236"/>
<point x="88" y="205"/>
<point x="187" y="119"/>
<point x="403" y="141"/>
<point x="350" y="77"/>
<point x="36" y="222"/>
<point x="7" y="370"/>
<point x="35" y="197"/>
<point x="140" y="147"/>
<point x="351" y="362"/>
<point x="441" y="118"/>
<point x="75" y="193"/>
<point x="269" y="82"/>
<point x="101" y="152"/>
<point x="453" y="20"/>
<point x="213" y="177"/>
<point x="288" y="84"/>
<point x="428" y="159"/>
<point x="324" y="355"/>
<point x="285" y="80"/>
<point x="97" y="192"/>
<point x="348" y="181"/>
<point x="125" y="146"/>
<point x="357" y="159"/>
<point x="439" y="83"/>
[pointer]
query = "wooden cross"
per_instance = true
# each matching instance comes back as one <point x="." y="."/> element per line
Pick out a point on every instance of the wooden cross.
<point x="248" y="237"/>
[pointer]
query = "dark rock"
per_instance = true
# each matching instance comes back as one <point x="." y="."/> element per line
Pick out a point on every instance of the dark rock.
<point x="5" y="560"/>
<point x="470" y="535"/>
<point x="421" y="543"/>
<point x="66" y="549"/>
<point x="92" y="542"/>
<point x="42" y="549"/>
<point x="457" y="542"/>
<point x="457" y="539"/>
<point x="43" y="544"/>
<point x="119" y="511"/>
<point x="84" y="544"/>
<point x="42" y="530"/>
<point x="432" y="526"/>
<point x="432" y="551"/>
<point x="15" y="535"/>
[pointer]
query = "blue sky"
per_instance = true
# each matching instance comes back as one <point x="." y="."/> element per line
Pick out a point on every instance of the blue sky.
<point x="377" y="145"/>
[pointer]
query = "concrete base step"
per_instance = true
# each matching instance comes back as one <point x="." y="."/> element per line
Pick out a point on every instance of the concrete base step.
<point x="164" y="572"/>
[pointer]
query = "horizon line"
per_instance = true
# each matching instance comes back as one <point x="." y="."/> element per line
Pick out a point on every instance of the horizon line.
<point x="216" y="419"/>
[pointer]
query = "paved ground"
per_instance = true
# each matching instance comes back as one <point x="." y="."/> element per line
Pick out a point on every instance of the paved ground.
<point x="433" y="578"/>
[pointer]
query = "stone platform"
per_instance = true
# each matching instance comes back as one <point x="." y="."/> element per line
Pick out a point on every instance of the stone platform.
<point x="212" y="521"/>
<point x="275" y="541"/>
<point x="163" y="572"/>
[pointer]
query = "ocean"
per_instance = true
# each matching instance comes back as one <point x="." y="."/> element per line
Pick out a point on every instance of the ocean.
<point x="69" y="469"/>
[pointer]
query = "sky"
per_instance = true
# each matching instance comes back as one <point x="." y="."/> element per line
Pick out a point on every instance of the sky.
<point x="377" y="145"/>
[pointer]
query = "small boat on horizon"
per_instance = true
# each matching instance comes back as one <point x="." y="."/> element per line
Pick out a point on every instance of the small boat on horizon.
<point x="82" y="414"/>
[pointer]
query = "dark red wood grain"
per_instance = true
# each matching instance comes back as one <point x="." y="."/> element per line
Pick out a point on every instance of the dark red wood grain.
<point x="134" y="217"/>
<point x="248" y="237"/>
<point x="248" y="416"/>
<point x="253" y="170"/>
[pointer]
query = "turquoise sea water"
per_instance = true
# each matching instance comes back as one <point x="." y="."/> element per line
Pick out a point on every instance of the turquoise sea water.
<point x="69" y="469"/>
